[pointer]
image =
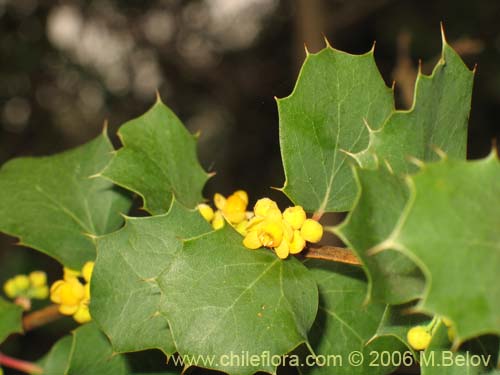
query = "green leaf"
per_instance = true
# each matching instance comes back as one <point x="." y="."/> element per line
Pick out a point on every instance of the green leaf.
<point x="53" y="206"/>
<point x="392" y="277"/>
<point x="397" y="321"/>
<point x="344" y="323"/>
<point x="57" y="360"/>
<point x="10" y="319"/>
<point x="85" y="352"/>
<point x="158" y="161"/>
<point x="91" y="354"/>
<point x="438" y="118"/>
<point x="221" y="298"/>
<point x="125" y="296"/>
<point x="450" y="228"/>
<point x="335" y="94"/>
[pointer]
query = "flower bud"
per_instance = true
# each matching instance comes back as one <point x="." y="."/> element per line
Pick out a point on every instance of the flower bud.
<point x="38" y="278"/>
<point x="419" y="338"/>
<point x="311" y="231"/>
<point x="295" y="216"/>
<point x="218" y="221"/>
<point x="206" y="211"/>
<point x="266" y="207"/>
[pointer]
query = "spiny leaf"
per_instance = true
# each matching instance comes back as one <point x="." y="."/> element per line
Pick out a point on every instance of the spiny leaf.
<point x="438" y="118"/>
<point x="335" y="94"/>
<point x="125" y="296"/>
<point x="397" y="321"/>
<point x="392" y="277"/>
<point x="57" y="359"/>
<point x="158" y="161"/>
<point x="344" y="323"/>
<point x="53" y="205"/>
<point x="221" y="298"/>
<point x="10" y="319"/>
<point x="450" y="228"/>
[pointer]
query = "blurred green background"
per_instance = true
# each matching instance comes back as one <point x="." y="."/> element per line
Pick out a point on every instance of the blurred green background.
<point x="68" y="66"/>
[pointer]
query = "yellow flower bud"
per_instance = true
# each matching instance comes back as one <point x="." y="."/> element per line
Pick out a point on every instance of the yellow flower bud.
<point x="87" y="270"/>
<point x="10" y="288"/>
<point x="282" y="250"/>
<point x="311" y="231"/>
<point x="218" y="221"/>
<point x="39" y="292"/>
<point x="38" y="278"/>
<point x="82" y="315"/>
<point x="266" y="207"/>
<point x="297" y="244"/>
<point x="295" y="216"/>
<point x="447" y="322"/>
<point x="219" y="201"/>
<point x="235" y="208"/>
<point x="419" y="338"/>
<point x="206" y="211"/>
<point x="271" y="233"/>
<point x="22" y="283"/>
<point x="252" y="240"/>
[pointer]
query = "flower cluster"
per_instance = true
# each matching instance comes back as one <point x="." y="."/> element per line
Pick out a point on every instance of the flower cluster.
<point x="32" y="286"/>
<point x="72" y="294"/>
<point x="232" y="208"/>
<point x="286" y="232"/>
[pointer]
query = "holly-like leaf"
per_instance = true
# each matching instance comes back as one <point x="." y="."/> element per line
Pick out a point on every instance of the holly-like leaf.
<point x="450" y="228"/>
<point x="91" y="354"/>
<point x="397" y="321"/>
<point x="438" y="118"/>
<point x="53" y="205"/>
<point x="125" y="295"/>
<point x="335" y="94"/>
<point x="158" y="161"/>
<point x="10" y="319"/>
<point x="392" y="277"/>
<point x="345" y="324"/>
<point x="86" y="352"/>
<point x="221" y="298"/>
<point x="58" y="358"/>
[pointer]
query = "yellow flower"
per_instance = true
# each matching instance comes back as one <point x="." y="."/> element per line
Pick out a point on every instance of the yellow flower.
<point x="295" y="216"/>
<point x="87" y="270"/>
<point x="206" y="211"/>
<point x="10" y="288"/>
<point x="419" y="338"/>
<point x="218" y="221"/>
<point x="233" y="207"/>
<point x="297" y="244"/>
<point x="29" y="286"/>
<point x="311" y="231"/>
<point x="266" y="207"/>
<point x="73" y="298"/>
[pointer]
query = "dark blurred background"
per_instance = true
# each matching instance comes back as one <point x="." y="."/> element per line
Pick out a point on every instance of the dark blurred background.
<point x="67" y="66"/>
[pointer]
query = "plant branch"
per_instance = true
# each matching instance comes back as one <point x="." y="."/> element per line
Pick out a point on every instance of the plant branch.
<point x="41" y="317"/>
<point x="17" y="364"/>
<point x="332" y="254"/>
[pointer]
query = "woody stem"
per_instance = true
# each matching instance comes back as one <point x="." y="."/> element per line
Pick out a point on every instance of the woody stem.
<point x="41" y="317"/>
<point x="332" y="254"/>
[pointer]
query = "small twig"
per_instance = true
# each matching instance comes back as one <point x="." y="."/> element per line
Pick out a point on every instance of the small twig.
<point x="41" y="317"/>
<point x="332" y="254"/>
<point x="19" y="365"/>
